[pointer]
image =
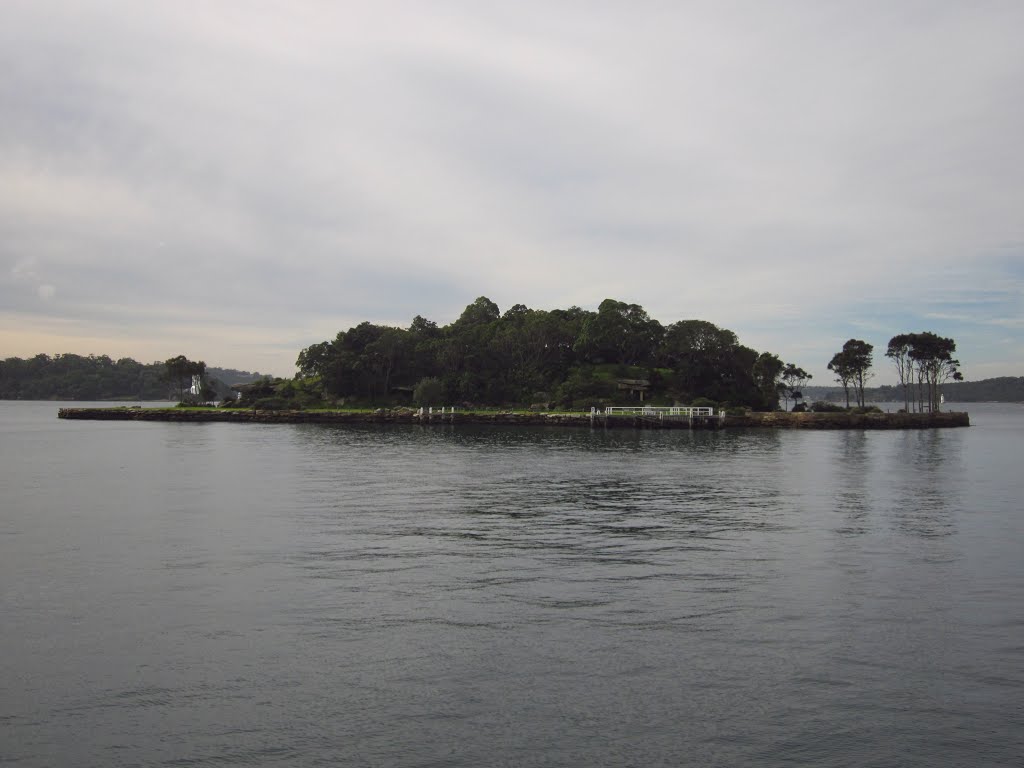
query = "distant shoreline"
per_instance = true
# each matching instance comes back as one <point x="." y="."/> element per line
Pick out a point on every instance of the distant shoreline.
<point x="774" y="420"/>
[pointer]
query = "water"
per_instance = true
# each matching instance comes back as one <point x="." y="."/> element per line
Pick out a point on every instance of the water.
<point x="218" y="594"/>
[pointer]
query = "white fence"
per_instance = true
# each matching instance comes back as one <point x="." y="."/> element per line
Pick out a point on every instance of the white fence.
<point x="657" y="410"/>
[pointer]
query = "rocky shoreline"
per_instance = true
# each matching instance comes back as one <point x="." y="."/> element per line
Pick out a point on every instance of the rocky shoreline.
<point x="775" y="420"/>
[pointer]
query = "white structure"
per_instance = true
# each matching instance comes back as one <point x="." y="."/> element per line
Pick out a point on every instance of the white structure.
<point x="197" y="384"/>
<point x="651" y="410"/>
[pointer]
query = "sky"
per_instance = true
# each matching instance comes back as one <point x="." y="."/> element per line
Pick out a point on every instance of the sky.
<point x="234" y="181"/>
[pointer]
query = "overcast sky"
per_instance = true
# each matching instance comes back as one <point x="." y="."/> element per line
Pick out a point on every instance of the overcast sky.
<point x="234" y="181"/>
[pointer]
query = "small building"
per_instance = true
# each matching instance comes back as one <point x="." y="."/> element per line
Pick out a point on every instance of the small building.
<point x="637" y="387"/>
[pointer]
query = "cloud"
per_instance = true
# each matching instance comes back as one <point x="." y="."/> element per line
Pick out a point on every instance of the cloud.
<point x="800" y="174"/>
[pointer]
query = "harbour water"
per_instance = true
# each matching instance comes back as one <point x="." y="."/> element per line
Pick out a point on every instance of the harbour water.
<point x="225" y="594"/>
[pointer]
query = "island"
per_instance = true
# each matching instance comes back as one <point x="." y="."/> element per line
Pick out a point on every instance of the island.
<point x="616" y="366"/>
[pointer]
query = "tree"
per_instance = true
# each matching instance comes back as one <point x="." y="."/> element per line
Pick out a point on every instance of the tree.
<point x="480" y="312"/>
<point x="525" y="348"/>
<point x="688" y="336"/>
<point x="927" y="360"/>
<point x="793" y="381"/>
<point x="466" y="356"/>
<point x="934" y="364"/>
<point x="851" y="366"/>
<point x="767" y="370"/>
<point x="420" y="325"/>
<point x="844" y="374"/>
<point x="387" y="353"/>
<point x="425" y="339"/>
<point x="708" y="361"/>
<point x="620" y="333"/>
<point x="313" y="360"/>
<point x="899" y="352"/>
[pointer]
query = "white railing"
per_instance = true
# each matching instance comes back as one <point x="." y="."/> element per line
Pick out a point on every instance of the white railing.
<point x="658" y="410"/>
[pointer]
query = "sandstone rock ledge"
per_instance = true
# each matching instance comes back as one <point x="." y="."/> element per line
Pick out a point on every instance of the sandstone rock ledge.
<point x="789" y="420"/>
<point x="777" y="420"/>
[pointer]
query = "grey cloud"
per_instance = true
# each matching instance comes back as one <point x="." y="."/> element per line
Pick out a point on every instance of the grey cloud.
<point x="315" y="165"/>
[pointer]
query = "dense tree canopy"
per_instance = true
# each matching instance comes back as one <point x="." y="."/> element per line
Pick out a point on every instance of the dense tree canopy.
<point x="572" y="357"/>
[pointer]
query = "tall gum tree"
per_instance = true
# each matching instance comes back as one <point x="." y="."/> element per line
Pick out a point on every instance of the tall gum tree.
<point x="794" y="379"/>
<point x="898" y="351"/>
<point x="934" y="363"/>
<point x="767" y="370"/>
<point x="924" y="359"/>
<point x="852" y="365"/>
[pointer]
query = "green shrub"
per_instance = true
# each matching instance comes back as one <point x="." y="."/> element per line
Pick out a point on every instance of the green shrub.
<point x="274" y="404"/>
<point x="582" y="387"/>
<point x="429" y="391"/>
<point x="824" y="406"/>
<point x="867" y="409"/>
<point x="193" y="401"/>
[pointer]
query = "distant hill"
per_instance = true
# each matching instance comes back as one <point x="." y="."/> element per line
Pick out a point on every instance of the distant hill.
<point x="78" y="377"/>
<point x="231" y="376"/>
<point x="1004" y="389"/>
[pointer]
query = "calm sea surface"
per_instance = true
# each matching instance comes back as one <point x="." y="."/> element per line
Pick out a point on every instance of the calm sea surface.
<point x="219" y="594"/>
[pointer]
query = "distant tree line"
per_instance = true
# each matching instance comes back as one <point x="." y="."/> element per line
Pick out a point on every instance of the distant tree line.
<point x="1003" y="389"/>
<point x="98" y="377"/>
<point x="569" y="357"/>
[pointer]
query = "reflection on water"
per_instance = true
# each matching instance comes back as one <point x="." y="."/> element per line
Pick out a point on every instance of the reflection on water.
<point x="851" y="466"/>
<point x="232" y="594"/>
<point x="929" y="484"/>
